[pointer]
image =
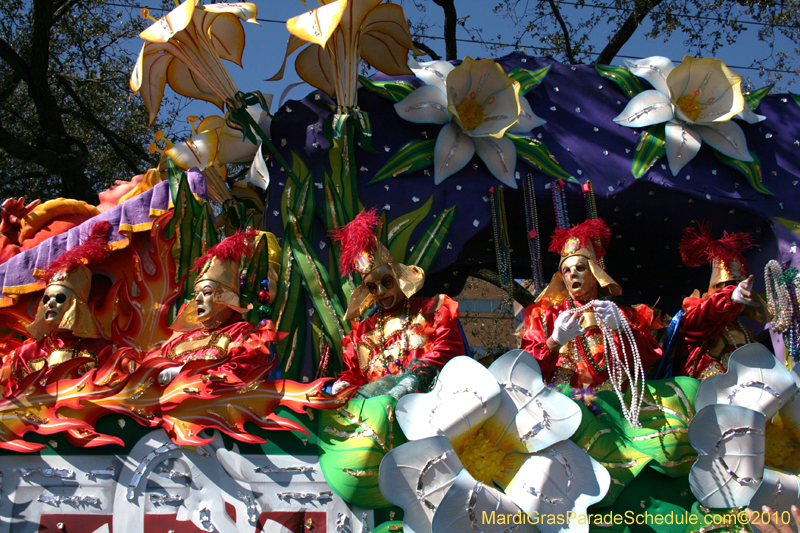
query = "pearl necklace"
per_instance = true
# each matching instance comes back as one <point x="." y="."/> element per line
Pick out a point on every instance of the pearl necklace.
<point x="618" y="368"/>
<point x="782" y="301"/>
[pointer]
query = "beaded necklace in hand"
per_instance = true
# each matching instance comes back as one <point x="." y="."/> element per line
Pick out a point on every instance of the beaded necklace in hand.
<point x="385" y="358"/>
<point x="582" y="346"/>
<point x="618" y="370"/>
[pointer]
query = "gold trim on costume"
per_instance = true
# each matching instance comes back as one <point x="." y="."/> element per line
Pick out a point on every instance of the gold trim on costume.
<point x="217" y="340"/>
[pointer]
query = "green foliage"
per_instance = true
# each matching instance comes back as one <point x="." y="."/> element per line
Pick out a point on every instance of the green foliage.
<point x="399" y="230"/>
<point x="753" y="98"/>
<point x="77" y="130"/>
<point x="623" y="77"/>
<point x="393" y="91"/>
<point x="535" y="153"/>
<point x="428" y="246"/>
<point x="750" y="169"/>
<point x="412" y="156"/>
<point x="528" y="79"/>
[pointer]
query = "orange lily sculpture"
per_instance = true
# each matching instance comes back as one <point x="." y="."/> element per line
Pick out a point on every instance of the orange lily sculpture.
<point x="185" y="48"/>
<point x="340" y="34"/>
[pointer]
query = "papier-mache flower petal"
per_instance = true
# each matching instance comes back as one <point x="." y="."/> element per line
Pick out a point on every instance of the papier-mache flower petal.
<point x="683" y="143"/>
<point x="710" y="84"/>
<point x="654" y="69"/>
<point x="468" y="502"/>
<point x="730" y="441"/>
<point x="424" y="105"/>
<point x="183" y="81"/>
<point x="432" y="73"/>
<point x="385" y="39"/>
<point x="234" y="147"/>
<point x="500" y="113"/>
<point x="778" y="490"/>
<point x="318" y="25"/>
<point x="452" y="152"/>
<point x="224" y="30"/>
<point x="559" y="480"/>
<point x="244" y="10"/>
<point x="645" y="109"/>
<point x="416" y="476"/>
<point x="315" y="67"/>
<point x="755" y="379"/>
<point x="535" y="416"/>
<point x="750" y="116"/>
<point x="728" y="138"/>
<point x="198" y="151"/>
<point x="464" y="396"/>
<point x="527" y="118"/>
<point x="790" y="412"/>
<point x="500" y="156"/>
<point x="258" y="174"/>
<point x="170" y="24"/>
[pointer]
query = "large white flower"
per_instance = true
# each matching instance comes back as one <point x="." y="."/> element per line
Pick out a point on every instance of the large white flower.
<point x="697" y="100"/>
<point x="477" y="103"/>
<point x="485" y="441"/>
<point x="746" y="432"/>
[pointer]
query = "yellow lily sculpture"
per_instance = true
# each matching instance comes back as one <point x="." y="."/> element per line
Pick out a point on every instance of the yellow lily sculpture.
<point x="185" y="48"/>
<point x="342" y="32"/>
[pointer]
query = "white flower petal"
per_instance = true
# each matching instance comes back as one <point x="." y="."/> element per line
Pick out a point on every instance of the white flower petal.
<point x="500" y="113"/>
<point x="468" y="501"/>
<point x="452" y="152"/>
<point x="425" y="105"/>
<point x="527" y="118"/>
<point x="258" y="174"/>
<point x="645" y="109"/>
<point x="654" y="69"/>
<point x="537" y="416"/>
<point x="730" y="441"/>
<point x="416" y="476"/>
<point x="558" y="480"/>
<point x="750" y="116"/>
<point x="683" y="143"/>
<point x="464" y="396"/>
<point x="755" y="379"/>
<point x="709" y="84"/>
<point x="500" y="156"/>
<point x="198" y="151"/>
<point x="433" y="73"/>
<point x="728" y="138"/>
<point x="234" y="147"/>
<point x="778" y="491"/>
<point x="790" y="412"/>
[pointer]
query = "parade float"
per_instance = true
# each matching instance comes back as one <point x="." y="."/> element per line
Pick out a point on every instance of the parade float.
<point x="134" y="416"/>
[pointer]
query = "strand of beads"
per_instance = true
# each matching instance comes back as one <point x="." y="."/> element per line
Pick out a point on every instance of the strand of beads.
<point x="534" y="240"/>
<point x="385" y="357"/>
<point x="616" y="362"/>
<point x="502" y="245"/>
<point x="560" y="204"/>
<point x="782" y="300"/>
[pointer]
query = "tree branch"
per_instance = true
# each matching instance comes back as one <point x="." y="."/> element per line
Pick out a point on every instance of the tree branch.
<point x="564" y="30"/>
<point x="641" y="9"/>
<point x="428" y="50"/>
<point x="450" y="21"/>
<point x="520" y="294"/>
<point x="32" y="154"/>
<point x="113" y="139"/>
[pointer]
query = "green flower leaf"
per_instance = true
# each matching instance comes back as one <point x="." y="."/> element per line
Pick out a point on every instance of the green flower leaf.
<point x="400" y="229"/>
<point x="753" y="98"/>
<point x="651" y="147"/>
<point x="528" y="79"/>
<point x="412" y="156"/>
<point x="289" y="315"/>
<point x="391" y="90"/>
<point x="623" y="77"/>
<point x="796" y="98"/>
<point x="426" y="250"/>
<point x="750" y="169"/>
<point x="536" y="154"/>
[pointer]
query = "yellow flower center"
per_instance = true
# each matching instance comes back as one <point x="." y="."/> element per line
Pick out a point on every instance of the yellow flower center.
<point x="481" y="457"/>
<point x="471" y="112"/>
<point x="691" y="106"/>
<point x="781" y="449"/>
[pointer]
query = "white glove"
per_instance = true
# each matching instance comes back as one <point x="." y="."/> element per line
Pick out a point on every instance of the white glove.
<point x="338" y="386"/>
<point x="166" y="376"/>
<point x="566" y="328"/>
<point x="607" y="313"/>
<point x="742" y="293"/>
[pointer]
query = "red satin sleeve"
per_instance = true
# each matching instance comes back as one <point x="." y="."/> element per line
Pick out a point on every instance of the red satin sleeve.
<point x="351" y="372"/>
<point x="538" y="322"/>
<point x="649" y="350"/>
<point x="705" y="318"/>
<point x="444" y="336"/>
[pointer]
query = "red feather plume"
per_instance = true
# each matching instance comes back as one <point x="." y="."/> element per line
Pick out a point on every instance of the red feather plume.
<point x="587" y="233"/>
<point x="231" y="248"/>
<point x="698" y="247"/>
<point x="93" y="250"/>
<point x="355" y="237"/>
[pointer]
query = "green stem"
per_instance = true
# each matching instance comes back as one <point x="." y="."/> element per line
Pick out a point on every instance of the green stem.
<point x="273" y="150"/>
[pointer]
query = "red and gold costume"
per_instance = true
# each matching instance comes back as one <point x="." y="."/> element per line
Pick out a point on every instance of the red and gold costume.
<point x="710" y="329"/>
<point x="230" y="339"/>
<point x="239" y="345"/>
<point x="52" y="350"/>
<point x="374" y="348"/>
<point x="76" y="334"/>
<point x="582" y="362"/>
